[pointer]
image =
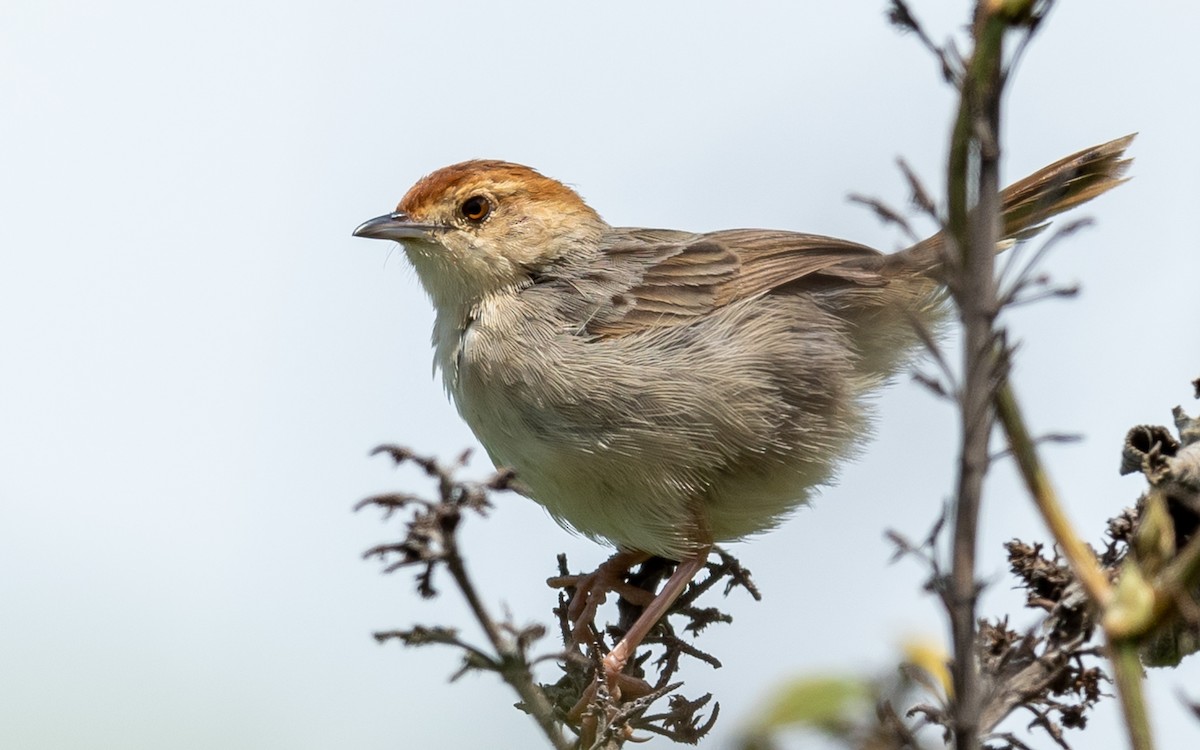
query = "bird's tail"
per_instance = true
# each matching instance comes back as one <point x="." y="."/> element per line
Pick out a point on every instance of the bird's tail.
<point x="900" y="288"/>
<point x="1063" y="185"/>
<point x="1028" y="204"/>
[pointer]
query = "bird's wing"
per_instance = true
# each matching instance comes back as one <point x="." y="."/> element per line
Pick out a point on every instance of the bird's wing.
<point x="665" y="282"/>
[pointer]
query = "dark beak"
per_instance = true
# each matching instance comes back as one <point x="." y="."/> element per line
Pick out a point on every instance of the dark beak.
<point x="394" y="226"/>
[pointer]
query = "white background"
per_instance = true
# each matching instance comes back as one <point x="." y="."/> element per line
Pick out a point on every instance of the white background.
<point x="195" y="356"/>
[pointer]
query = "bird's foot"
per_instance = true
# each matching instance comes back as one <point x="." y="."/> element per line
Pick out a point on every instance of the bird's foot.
<point x="618" y="687"/>
<point x="591" y="589"/>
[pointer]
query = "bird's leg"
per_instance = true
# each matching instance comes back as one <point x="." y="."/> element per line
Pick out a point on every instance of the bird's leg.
<point x="616" y="659"/>
<point x="591" y="590"/>
<point x="617" y="683"/>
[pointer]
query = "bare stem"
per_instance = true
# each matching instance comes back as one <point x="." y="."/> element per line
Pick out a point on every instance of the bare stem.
<point x="974" y="228"/>
<point x="513" y="668"/>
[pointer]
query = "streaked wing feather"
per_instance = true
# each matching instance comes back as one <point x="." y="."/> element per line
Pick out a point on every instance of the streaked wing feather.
<point x="682" y="281"/>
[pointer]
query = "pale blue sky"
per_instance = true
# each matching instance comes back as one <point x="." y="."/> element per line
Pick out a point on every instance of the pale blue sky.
<point x="195" y="355"/>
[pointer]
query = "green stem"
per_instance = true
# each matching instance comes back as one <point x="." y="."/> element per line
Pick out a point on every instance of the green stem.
<point x="1127" y="669"/>
<point x="1079" y="556"/>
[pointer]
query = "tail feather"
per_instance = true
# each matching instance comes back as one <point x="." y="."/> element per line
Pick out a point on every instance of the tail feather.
<point x="1063" y="185"/>
<point x="882" y="314"/>
<point x="1029" y="203"/>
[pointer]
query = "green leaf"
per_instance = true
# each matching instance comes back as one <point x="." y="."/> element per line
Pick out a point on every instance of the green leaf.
<point x="825" y="703"/>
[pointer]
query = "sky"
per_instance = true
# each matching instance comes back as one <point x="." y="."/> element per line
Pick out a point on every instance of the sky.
<point x="196" y="357"/>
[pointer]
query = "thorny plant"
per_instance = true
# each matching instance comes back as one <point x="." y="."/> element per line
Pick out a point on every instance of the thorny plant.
<point x="1123" y="603"/>
<point x="1053" y="672"/>
<point x="1050" y="671"/>
<point x="578" y="700"/>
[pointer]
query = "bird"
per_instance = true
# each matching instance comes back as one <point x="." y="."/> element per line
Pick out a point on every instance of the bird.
<point x="664" y="390"/>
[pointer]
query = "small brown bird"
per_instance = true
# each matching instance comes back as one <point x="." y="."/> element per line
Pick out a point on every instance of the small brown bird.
<point x="664" y="390"/>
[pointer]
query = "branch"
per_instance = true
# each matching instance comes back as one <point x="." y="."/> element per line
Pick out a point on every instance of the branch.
<point x="431" y="541"/>
<point x="1081" y="559"/>
<point x="973" y="223"/>
<point x="578" y="700"/>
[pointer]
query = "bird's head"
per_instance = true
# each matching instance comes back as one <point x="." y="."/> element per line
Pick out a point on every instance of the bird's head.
<point x="481" y="226"/>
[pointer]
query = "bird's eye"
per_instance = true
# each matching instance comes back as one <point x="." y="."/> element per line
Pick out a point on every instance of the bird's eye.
<point x="476" y="208"/>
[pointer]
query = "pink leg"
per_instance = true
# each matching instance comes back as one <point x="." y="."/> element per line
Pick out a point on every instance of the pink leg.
<point x="687" y="569"/>
<point x="592" y="589"/>
<point x="655" y="608"/>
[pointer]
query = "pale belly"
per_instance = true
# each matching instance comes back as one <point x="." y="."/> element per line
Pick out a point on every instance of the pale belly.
<point x="662" y="454"/>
